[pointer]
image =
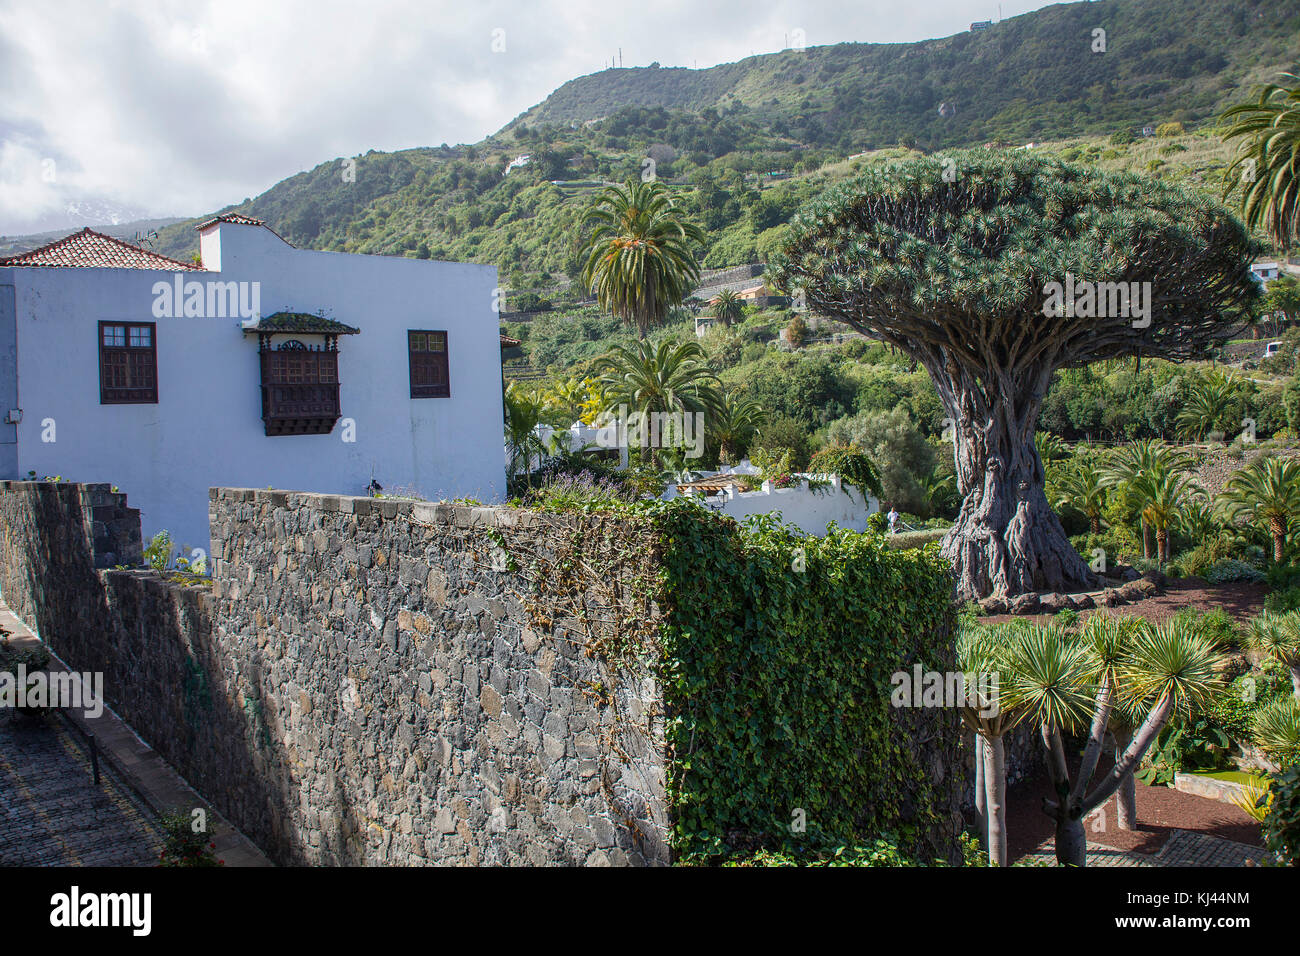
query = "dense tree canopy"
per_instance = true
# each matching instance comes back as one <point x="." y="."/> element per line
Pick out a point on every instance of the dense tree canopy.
<point x="992" y="269"/>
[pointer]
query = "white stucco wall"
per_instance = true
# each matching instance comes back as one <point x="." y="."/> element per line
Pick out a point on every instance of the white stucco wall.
<point x="207" y="428"/>
<point x="811" y="510"/>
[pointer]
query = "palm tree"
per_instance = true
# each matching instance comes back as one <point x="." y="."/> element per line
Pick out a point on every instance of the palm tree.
<point x="1162" y="494"/>
<point x="727" y="307"/>
<point x="1083" y="487"/>
<point x="734" y="424"/>
<point x="672" y="378"/>
<point x="1277" y="636"/>
<point x="524" y="413"/>
<point x="1066" y="682"/>
<point x="981" y="651"/>
<point x="1268" y="158"/>
<point x="1128" y="463"/>
<point x="1198" y="521"/>
<point x="1267" y="491"/>
<point x="639" y="260"/>
<point x="1206" y="405"/>
<point x="1050" y="448"/>
<point x="566" y="397"/>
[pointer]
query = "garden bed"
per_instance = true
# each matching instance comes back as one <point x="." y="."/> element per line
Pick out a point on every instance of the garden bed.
<point x="1160" y="811"/>
<point x="1239" y="600"/>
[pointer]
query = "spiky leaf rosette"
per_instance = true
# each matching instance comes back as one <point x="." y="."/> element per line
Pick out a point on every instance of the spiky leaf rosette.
<point x="953" y="267"/>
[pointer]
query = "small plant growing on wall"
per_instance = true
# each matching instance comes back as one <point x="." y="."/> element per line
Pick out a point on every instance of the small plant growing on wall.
<point x="183" y="844"/>
<point x="159" y="552"/>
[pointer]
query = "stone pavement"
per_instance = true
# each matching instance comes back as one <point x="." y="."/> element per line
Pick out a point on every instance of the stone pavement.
<point x="52" y="814"/>
<point x="137" y="770"/>
<point x="1183" y="848"/>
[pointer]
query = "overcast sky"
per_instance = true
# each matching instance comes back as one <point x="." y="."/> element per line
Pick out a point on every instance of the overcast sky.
<point x="178" y="108"/>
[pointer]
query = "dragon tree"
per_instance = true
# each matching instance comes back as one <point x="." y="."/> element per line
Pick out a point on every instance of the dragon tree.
<point x="992" y="269"/>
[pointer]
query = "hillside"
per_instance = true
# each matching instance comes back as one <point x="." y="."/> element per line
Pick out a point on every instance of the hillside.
<point x="719" y="134"/>
<point x="1027" y="77"/>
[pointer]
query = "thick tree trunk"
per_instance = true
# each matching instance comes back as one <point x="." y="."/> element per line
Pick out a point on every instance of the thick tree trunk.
<point x="1007" y="540"/>
<point x="1146" y="539"/>
<point x="1162" y="545"/>
<point x="1126" y="795"/>
<point x="981" y="797"/>
<point x="995" y="785"/>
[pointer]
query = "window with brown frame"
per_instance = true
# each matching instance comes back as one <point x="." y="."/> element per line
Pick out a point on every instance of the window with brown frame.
<point x="300" y="387"/>
<point x="128" y="363"/>
<point x="430" y="377"/>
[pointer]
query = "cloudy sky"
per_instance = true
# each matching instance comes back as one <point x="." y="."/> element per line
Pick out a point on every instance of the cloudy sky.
<point x="178" y="107"/>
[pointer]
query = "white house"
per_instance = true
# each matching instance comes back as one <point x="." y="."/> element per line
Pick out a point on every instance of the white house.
<point x="265" y="366"/>
<point x="1266" y="272"/>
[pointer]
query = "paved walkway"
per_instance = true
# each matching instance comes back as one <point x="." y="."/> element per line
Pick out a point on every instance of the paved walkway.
<point x="51" y="812"/>
<point x="140" y="777"/>
<point x="1183" y="848"/>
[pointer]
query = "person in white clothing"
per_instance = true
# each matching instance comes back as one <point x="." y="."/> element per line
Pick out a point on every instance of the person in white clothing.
<point x="894" y="519"/>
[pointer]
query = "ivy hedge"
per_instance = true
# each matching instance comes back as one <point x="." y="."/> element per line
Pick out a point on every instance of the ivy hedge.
<point x="777" y="656"/>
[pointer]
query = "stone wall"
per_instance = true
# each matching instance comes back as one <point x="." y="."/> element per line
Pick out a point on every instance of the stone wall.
<point x="360" y="686"/>
<point x="402" y="702"/>
<point x="55" y="535"/>
<point x="368" y="681"/>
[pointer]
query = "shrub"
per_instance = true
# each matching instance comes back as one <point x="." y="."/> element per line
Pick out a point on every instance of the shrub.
<point x="1201" y="558"/>
<point x="1065" y="618"/>
<point x="893" y="441"/>
<point x="797" y="715"/>
<point x="914" y="539"/>
<point x="1233" y="710"/>
<point x="1215" y="625"/>
<point x="851" y="464"/>
<point x="160" y="551"/>
<point x="1119" y="543"/>
<point x="1222" y="572"/>
<point x="1279" y="602"/>
<point x="1282" y="825"/>
<point x="581" y="492"/>
<point x="183" y="845"/>
<point x="796" y="333"/>
<point x="883" y="852"/>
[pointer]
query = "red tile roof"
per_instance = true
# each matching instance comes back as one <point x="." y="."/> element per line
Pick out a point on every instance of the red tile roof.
<point x="507" y="342"/>
<point x="237" y="218"/>
<point x="94" y="250"/>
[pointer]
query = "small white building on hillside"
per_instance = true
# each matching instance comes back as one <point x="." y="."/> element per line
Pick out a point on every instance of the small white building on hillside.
<point x="811" y="503"/>
<point x="264" y="366"/>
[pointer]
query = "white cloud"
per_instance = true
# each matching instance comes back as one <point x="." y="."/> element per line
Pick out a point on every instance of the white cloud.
<point x="177" y="108"/>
